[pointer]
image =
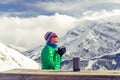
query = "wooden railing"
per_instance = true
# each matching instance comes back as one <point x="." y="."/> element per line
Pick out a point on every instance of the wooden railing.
<point x="28" y="74"/>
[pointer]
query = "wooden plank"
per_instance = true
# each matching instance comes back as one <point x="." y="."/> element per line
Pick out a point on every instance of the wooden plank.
<point x="47" y="72"/>
<point x="29" y="74"/>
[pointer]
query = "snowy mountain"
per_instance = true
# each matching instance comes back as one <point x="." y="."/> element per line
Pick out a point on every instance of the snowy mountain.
<point x="93" y="39"/>
<point x="34" y="53"/>
<point x="96" y="42"/>
<point x="12" y="59"/>
<point x="104" y="62"/>
<point x="19" y="49"/>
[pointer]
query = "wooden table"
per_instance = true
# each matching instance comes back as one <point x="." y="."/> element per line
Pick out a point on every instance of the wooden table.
<point x="32" y="74"/>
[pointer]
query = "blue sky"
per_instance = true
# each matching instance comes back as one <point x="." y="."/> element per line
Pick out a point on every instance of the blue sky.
<point x="23" y="23"/>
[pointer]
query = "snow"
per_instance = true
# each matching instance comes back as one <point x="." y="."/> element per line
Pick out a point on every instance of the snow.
<point x="90" y="63"/>
<point x="11" y="59"/>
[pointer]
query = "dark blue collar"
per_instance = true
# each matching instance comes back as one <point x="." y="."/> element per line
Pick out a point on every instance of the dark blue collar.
<point x="52" y="45"/>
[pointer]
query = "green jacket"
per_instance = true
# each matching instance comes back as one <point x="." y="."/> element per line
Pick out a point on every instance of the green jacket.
<point x="50" y="59"/>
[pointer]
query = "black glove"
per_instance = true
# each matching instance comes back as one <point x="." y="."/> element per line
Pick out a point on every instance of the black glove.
<point x="61" y="50"/>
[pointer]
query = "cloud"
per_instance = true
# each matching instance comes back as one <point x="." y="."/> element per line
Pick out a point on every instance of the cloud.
<point x="92" y="15"/>
<point x="29" y="32"/>
<point x="37" y="16"/>
<point x="74" y="7"/>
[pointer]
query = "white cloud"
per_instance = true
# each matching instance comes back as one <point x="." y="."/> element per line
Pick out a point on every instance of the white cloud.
<point x="92" y="15"/>
<point x="29" y="32"/>
<point x="112" y="1"/>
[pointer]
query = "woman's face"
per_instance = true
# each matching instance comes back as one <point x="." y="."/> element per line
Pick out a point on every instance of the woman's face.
<point x="54" y="39"/>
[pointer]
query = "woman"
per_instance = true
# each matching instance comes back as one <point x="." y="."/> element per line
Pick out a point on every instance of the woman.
<point x="51" y="57"/>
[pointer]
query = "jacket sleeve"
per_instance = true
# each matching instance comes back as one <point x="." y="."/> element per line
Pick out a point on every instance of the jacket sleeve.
<point x="58" y="60"/>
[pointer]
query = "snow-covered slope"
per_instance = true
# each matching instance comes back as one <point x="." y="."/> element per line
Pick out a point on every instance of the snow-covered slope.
<point x="94" y="42"/>
<point x="34" y="53"/>
<point x="19" y="49"/>
<point x="104" y="62"/>
<point x="96" y="39"/>
<point x="11" y="59"/>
